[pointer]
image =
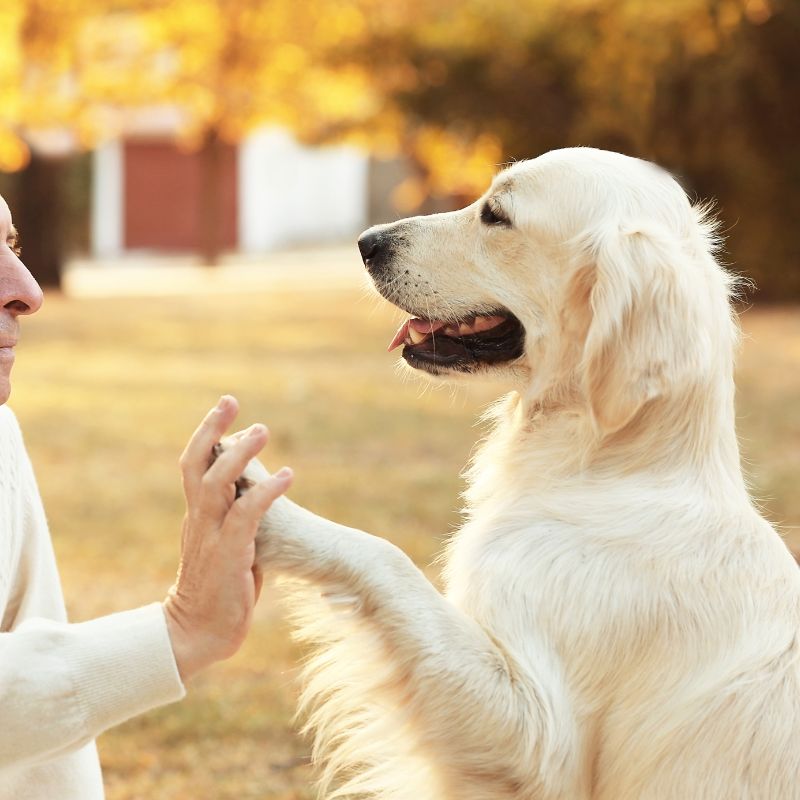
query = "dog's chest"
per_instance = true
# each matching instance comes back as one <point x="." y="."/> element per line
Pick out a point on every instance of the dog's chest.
<point x="548" y="584"/>
<point x="489" y="571"/>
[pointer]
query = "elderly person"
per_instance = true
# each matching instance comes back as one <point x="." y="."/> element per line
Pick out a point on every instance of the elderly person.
<point x="62" y="684"/>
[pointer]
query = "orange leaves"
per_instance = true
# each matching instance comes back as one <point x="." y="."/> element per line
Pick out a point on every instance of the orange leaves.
<point x="236" y="63"/>
<point x="456" y="164"/>
<point x="225" y="65"/>
<point x="365" y="70"/>
<point x="14" y="152"/>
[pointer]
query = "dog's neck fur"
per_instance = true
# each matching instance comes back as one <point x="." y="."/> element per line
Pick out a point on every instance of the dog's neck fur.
<point x="554" y="443"/>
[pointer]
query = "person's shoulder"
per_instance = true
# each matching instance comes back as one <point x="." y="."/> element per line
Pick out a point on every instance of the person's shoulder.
<point x="10" y="432"/>
<point x="7" y="417"/>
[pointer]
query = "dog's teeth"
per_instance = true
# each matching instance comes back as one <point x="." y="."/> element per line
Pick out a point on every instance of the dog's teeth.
<point x="487" y="323"/>
<point x="451" y="330"/>
<point x="416" y="337"/>
<point x="464" y="329"/>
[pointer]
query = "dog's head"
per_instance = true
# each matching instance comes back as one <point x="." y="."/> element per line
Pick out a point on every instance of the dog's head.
<point x="579" y="274"/>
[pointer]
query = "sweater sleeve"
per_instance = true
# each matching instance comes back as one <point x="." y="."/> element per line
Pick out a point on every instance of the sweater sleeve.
<point x="61" y="685"/>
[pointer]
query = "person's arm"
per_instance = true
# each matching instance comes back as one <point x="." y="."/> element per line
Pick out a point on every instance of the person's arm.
<point x="62" y="684"/>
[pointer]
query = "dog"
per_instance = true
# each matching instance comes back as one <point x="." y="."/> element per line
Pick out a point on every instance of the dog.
<point x="618" y="621"/>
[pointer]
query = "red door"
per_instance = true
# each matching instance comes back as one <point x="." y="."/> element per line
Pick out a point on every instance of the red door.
<point x="163" y="188"/>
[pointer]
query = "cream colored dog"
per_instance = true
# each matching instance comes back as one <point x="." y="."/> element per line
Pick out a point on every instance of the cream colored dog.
<point x="618" y="621"/>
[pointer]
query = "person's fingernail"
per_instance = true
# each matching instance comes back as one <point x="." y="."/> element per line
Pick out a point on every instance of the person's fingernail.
<point x="283" y="473"/>
<point x="257" y="430"/>
<point x="223" y="402"/>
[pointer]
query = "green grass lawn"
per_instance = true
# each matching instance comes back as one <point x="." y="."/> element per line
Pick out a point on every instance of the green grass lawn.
<point x="108" y="391"/>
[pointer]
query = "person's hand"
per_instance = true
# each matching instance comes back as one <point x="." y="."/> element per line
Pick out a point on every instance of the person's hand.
<point x="210" y="607"/>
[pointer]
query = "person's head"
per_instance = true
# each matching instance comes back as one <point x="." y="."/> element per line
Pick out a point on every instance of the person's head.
<point x="19" y="294"/>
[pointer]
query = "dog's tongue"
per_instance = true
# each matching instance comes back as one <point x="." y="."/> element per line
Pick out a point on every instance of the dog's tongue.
<point x="419" y="325"/>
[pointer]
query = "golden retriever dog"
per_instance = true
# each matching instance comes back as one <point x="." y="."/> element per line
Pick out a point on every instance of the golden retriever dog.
<point x="618" y="621"/>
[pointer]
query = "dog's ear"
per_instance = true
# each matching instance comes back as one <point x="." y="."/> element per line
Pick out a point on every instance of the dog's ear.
<point x="642" y="323"/>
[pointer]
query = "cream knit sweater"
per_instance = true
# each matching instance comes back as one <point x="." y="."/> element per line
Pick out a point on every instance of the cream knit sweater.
<point x="62" y="684"/>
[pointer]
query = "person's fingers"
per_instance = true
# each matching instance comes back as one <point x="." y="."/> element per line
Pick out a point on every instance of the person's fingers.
<point x="195" y="458"/>
<point x="231" y="463"/>
<point x="231" y="437"/>
<point x="242" y="519"/>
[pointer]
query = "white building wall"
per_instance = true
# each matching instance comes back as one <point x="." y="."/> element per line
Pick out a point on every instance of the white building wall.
<point x="107" y="207"/>
<point x="290" y="194"/>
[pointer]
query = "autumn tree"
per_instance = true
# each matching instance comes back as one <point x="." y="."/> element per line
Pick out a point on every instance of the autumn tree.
<point x="74" y="67"/>
<point x="35" y="54"/>
<point x="231" y="65"/>
<point x="706" y="87"/>
<point x="227" y="66"/>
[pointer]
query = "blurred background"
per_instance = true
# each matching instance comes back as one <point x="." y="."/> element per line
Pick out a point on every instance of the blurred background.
<point x="189" y="177"/>
<point x="114" y="112"/>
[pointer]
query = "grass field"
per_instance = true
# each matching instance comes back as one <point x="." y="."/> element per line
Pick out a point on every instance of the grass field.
<point x="109" y="389"/>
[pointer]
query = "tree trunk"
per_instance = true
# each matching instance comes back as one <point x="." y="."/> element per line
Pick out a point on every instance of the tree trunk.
<point x="211" y="198"/>
<point x="39" y="216"/>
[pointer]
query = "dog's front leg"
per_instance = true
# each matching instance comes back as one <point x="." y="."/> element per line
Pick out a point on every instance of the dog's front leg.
<point x="404" y="678"/>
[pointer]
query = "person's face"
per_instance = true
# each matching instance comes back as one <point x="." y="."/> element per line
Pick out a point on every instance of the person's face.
<point x="19" y="294"/>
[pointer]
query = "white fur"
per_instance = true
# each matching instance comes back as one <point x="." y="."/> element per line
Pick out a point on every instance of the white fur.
<point x="619" y="622"/>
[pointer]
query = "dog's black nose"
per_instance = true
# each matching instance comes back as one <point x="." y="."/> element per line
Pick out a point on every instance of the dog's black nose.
<point x="369" y="245"/>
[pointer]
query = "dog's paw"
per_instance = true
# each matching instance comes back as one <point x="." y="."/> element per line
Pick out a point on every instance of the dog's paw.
<point x="254" y="472"/>
<point x="278" y="543"/>
<point x="242" y="483"/>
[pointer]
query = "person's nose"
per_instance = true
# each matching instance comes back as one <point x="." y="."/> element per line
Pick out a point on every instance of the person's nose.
<point x="19" y="291"/>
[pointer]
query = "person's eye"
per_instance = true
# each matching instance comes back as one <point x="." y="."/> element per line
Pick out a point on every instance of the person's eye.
<point x="493" y="215"/>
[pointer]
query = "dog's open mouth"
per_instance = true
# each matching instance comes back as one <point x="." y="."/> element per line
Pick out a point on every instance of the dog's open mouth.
<point x="484" y="339"/>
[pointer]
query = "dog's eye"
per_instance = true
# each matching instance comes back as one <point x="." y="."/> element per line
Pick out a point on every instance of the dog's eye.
<point x="494" y="216"/>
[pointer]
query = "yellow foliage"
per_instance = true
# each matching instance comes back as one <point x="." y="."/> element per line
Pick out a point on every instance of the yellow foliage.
<point x="458" y="165"/>
<point x="14" y="152"/>
<point x="319" y="67"/>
